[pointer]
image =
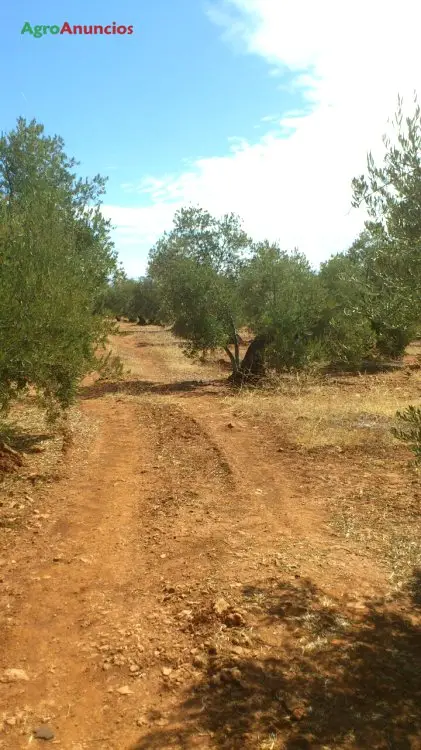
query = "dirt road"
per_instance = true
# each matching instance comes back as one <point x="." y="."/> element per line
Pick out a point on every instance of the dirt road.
<point x="185" y="588"/>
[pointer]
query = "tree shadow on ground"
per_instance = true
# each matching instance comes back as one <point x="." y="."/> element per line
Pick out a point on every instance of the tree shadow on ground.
<point x="368" y="368"/>
<point x="336" y="679"/>
<point x="165" y="345"/>
<point x="136" y="387"/>
<point x="414" y="587"/>
<point x="21" y="440"/>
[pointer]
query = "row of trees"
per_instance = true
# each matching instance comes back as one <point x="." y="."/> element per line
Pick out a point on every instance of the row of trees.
<point x="135" y="300"/>
<point x="56" y="258"/>
<point x="208" y="279"/>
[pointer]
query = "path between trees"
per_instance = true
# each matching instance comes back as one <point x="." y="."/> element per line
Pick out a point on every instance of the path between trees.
<point x="179" y="591"/>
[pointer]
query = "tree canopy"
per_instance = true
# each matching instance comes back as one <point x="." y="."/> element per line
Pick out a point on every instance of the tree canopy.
<point x="206" y="277"/>
<point x="55" y="259"/>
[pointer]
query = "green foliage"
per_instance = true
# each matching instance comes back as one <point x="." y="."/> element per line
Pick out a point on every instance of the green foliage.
<point x="133" y="299"/>
<point x="146" y="302"/>
<point x="201" y="311"/>
<point x="198" y="236"/>
<point x="118" y="298"/>
<point x="409" y="430"/>
<point x="389" y="251"/>
<point x="346" y="327"/>
<point x="195" y="268"/>
<point x="110" y="367"/>
<point x="55" y="258"/>
<point x="348" y="339"/>
<point x="283" y="300"/>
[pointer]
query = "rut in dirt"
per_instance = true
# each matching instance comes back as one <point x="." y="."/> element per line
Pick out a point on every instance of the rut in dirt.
<point x="140" y="510"/>
<point x="185" y="591"/>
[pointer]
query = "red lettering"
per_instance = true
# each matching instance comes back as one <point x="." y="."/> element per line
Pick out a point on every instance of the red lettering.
<point x="107" y="32"/>
<point x="130" y="29"/>
<point x="66" y="28"/>
<point x="121" y="30"/>
<point x="101" y="30"/>
<point x="77" y="29"/>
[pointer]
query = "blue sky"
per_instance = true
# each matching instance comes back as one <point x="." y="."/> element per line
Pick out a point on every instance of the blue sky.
<point x="195" y="107"/>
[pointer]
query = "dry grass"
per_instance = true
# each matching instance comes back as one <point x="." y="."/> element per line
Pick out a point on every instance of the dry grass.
<point x="169" y="361"/>
<point x="327" y="411"/>
<point x="387" y="522"/>
<point x="43" y="448"/>
<point x="341" y="447"/>
<point x="338" y="429"/>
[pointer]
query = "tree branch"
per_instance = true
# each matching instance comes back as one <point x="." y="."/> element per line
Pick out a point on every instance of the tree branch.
<point x="234" y="364"/>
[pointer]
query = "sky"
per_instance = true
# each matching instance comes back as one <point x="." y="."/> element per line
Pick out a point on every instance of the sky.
<point x="264" y="108"/>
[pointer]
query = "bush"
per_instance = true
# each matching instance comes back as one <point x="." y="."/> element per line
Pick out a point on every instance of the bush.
<point x="349" y="339"/>
<point x="56" y="257"/>
<point x="409" y="430"/>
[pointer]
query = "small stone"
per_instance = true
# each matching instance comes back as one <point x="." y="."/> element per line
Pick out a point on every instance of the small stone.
<point x="221" y="606"/>
<point x="166" y="671"/>
<point x="199" y="662"/>
<point x="141" y="721"/>
<point x="134" y="668"/>
<point x="359" y="606"/>
<point x="125" y="690"/>
<point x="12" y="721"/>
<point x="14" y="675"/>
<point x="43" y="733"/>
<point x="298" y="713"/>
<point x="235" y="620"/>
<point x="237" y="650"/>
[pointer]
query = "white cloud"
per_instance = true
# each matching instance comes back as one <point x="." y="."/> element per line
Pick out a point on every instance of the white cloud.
<point x="351" y="59"/>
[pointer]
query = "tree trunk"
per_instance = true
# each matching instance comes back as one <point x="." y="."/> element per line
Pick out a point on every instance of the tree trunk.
<point x="252" y="366"/>
<point x="233" y="360"/>
<point x="235" y="341"/>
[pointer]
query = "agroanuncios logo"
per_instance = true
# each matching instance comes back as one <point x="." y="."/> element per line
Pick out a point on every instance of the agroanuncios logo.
<point x="65" y="28"/>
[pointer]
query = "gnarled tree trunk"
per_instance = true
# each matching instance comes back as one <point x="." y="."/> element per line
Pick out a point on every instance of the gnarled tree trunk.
<point x="252" y="366"/>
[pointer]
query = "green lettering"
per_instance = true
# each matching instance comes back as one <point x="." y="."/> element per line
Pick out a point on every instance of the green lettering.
<point x="54" y="29"/>
<point x="27" y="28"/>
<point x="38" y="32"/>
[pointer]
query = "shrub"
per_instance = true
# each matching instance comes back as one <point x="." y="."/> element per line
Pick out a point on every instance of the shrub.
<point x="409" y="430"/>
